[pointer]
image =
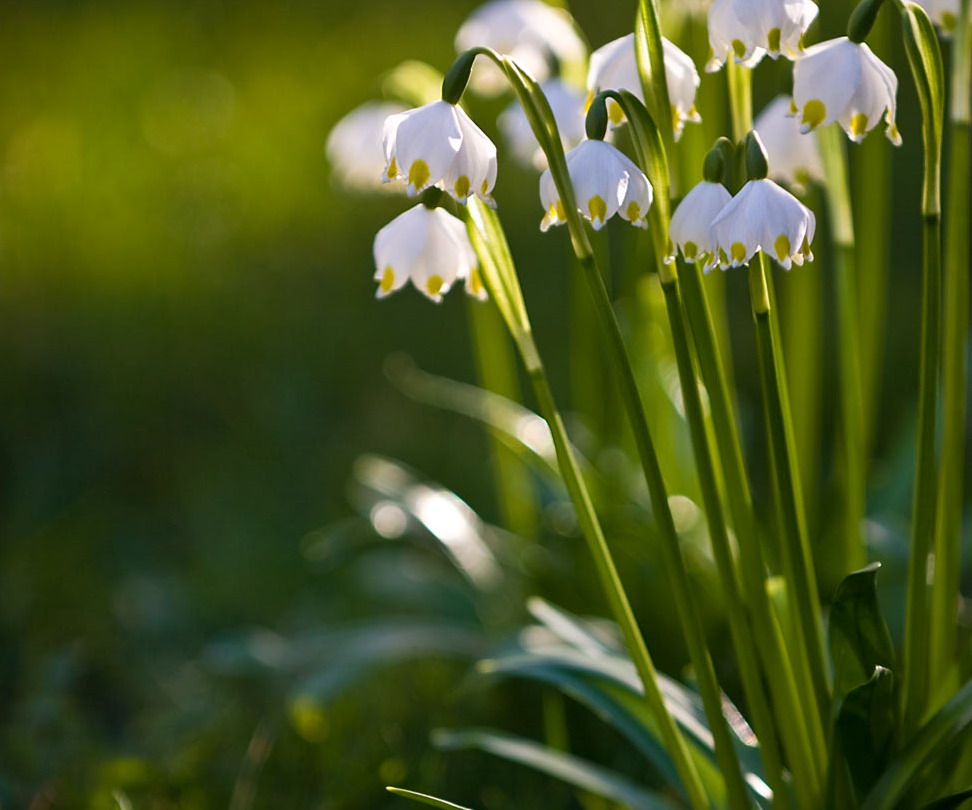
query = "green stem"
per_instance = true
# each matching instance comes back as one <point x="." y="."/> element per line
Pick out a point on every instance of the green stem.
<point x="803" y="339"/>
<point x="797" y="560"/>
<point x="948" y="539"/>
<point x="501" y="279"/>
<point x="851" y="548"/>
<point x="495" y="366"/>
<point x="801" y="731"/>
<point x="742" y="636"/>
<point x="740" y="81"/>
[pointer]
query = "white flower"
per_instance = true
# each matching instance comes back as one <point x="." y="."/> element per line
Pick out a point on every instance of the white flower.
<point x="354" y="145"/>
<point x="763" y="216"/>
<point x="430" y="247"/>
<point x="793" y="158"/>
<point x="568" y="109"/>
<point x="692" y="220"/>
<point x="944" y="12"/>
<point x="614" y="66"/>
<point x="530" y="31"/>
<point x="750" y="29"/>
<point x="843" y="81"/>
<point x="605" y="182"/>
<point x="438" y="144"/>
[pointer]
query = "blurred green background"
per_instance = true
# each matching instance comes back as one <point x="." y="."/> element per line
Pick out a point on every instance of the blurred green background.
<point x="191" y="362"/>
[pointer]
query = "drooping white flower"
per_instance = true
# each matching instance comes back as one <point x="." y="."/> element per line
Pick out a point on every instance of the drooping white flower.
<point x="692" y="220"/>
<point x="747" y="30"/>
<point x="567" y="105"/>
<point x="840" y="80"/>
<point x="606" y="182"/>
<point x="793" y="158"/>
<point x="945" y="13"/>
<point x="530" y="31"/>
<point x="614" y="66"/>
<point x="430" y="247"/>
<point x="354" y="145"/>
<point x="439" y="145"/>
<point x="762" y="216"/>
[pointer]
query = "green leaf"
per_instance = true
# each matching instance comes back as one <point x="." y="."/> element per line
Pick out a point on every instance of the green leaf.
<point x="865" y="723"/>
<point x="930" y="742"/>
<point x="573" y="770"/>
<point x="859" y="638"/>
<point x="422" y="798"/>
<point x="951" y="802"/>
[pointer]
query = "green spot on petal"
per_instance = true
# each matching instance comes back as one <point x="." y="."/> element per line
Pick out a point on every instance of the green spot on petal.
<point x="738" y="251"/>
<point x="690" y="250"/>
<point x="597" y="208"/>
<point x="462" y="187"/>
<point x="814" y="113"/>
<point x="858" y="125"/>
<point x="434" y="285"/>
<point x="634" y="211"/>
<point x="418" y="174"/>
<point x="739" y="48"/>
<point x="773" y="38"/>
<point x="387" y="280"/>
<point x="782" y="246"/>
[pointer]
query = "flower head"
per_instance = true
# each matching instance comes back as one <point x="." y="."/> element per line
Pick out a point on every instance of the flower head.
<point x="439" y="145"/>
<point x="568" y="109"/>
<point x="354" y="147"/>
<point x="614" y="66"/>
<point x="430" y="247"/>
<point x="793" y="158"/>
<point x="762" y="216"/>
<point x="692" y="220"/>
<point x="750" y="29"/>
<point x="531" y="31"/>
<point x="943" y="12"/>
<point x="605" y="182"/>
<point x="840" y="80"/>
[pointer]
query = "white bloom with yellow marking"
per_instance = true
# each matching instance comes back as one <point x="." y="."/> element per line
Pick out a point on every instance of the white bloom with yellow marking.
<point x="944" y="13"/>
<point x="567" y="105"/>
<point x="531" y="31"/>
<point x="430" y="247"/>
<point x="748" y="30"/>
<point x="606" y="182"/>
<point x="762" y="216"/>
<point x="439" y="145"/>
<point x="354" y="145"/>
<point x="691" y="225"/>
<point x="793" y="158"/>
<point x="840" y="80"/>
<point x="614" y="66"/>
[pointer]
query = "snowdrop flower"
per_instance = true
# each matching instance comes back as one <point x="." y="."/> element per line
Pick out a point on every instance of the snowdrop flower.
<point x="793" y="158"/>
<point x="692" y="221"/>
<point x="943" y="12"/>
<point x="605" y="183"/>
<point x="841" y="80"/>
<point x="750" y="29"/>
<point x="568" y="108"/>
<point x="614" y="66"/>
<point x="430" y="247"/>
<point x="762" y="216"/>
<point x="438" y="144"/>
<point x="354" y="146"/>
<point x="530" y="31"/>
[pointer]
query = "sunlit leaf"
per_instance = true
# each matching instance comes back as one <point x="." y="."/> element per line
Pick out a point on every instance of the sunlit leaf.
<point x="422" y="798"/>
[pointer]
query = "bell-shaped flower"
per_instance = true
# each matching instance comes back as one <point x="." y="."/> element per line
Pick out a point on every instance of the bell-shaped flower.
<point x="748" y="30"/>
<point x="692" y="221"/>
<point x="944" y="13"/>
<point x="762" y="216"/>
<point x="439" y="145"/>
<point x="793" y="158"/>
<point x="430" y="247"/>
<point x="606" y="182"/>
<point x="534" y="33"/>
<point x="354" y="145"/>
<point x="614" y="66"/>
<point x="840" y="80"/>
<point x="567" y="105"/>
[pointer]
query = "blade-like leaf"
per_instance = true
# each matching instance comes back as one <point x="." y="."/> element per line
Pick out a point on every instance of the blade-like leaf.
<point x="864" y="725"/>
<point x="859" y="638"/>
<point x="931" y="740"/>
<point x="422" y="798"/>
<point x="951" y="802"/>
<point x="573" y="770"/>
